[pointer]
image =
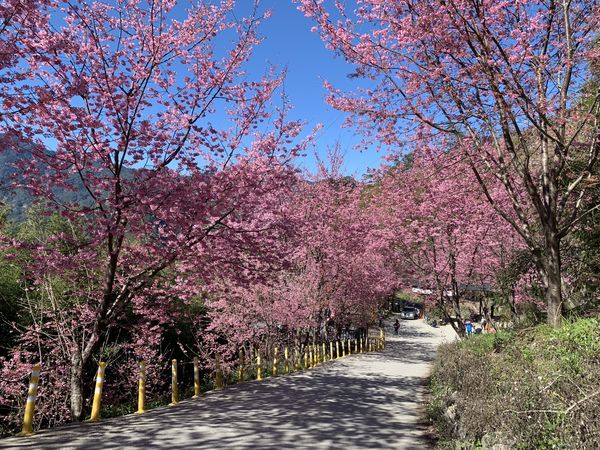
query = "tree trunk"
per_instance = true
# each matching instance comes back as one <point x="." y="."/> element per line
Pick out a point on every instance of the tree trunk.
<point x="76" y="386"/>
<point x="455" y="322"/>
<point x="455" y="293"/>
<point x="513" y="306"/>
<point x="456" y="306"/>
<point x="549" y="266"/>
<point x="79" y="361"/>
<point x="552" y="269"/>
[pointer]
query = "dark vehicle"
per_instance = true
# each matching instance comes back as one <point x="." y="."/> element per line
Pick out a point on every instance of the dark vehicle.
<point x="409" y="313"/>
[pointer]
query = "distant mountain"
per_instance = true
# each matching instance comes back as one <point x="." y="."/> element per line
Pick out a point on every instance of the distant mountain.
<point x="19" y="200"/>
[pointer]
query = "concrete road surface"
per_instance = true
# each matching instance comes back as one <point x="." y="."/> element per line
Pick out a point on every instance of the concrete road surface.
<point x="365" y="401"/>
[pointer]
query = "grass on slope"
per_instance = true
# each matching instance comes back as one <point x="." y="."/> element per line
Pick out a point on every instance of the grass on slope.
<point x="534" y="388"/>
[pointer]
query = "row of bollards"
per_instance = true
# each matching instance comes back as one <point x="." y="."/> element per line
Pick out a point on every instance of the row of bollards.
<point x="313" y="355"/>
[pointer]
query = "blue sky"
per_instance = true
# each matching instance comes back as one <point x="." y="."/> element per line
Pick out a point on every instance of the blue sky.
<point x="290" y="43"/>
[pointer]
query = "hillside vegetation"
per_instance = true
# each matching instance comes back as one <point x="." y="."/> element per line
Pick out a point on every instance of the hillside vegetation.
<point x="533" y="388"/>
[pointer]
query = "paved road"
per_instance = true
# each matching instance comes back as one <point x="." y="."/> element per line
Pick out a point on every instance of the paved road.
<point x="368" y="401"/>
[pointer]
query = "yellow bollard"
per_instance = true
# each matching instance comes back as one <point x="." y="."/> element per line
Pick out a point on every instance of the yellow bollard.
<point x="337" y="349"/>
<point x="330" y="351"/>
<point x="275" y="351"/>
<point x="297" y="360"/>
<point x="174" y="387"/>
<point x="361" y="344"/>
<point x="349" y="346"/>
<point x="241" y="369"/>
<point x="286" y="354"/>
<point x="31" y="398"/>
<point x="343" y="349"/>
<point x="219" y="381"/>
<point x="311" y="359"/>
<point x="258" y="368"/>
<point x="196" y="378"/>
<point x="324" y="353"/>
<point x="97" y="403"/>
<point x="355" y="346"/>
<point x="305" y="359"/>
<point x="142" y="389"/>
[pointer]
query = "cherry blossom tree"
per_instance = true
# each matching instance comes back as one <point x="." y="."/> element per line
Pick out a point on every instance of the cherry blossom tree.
<point x="21" y="22"/>
<point x="18" y="18"/>
<point x="447" y="236"/>
<point x="335" y="268"/>
<point x="149" y="111"/>
<point x="505" y="81"/>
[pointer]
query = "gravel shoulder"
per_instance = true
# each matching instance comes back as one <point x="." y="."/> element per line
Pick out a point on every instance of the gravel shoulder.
<point x="365" y="401"/>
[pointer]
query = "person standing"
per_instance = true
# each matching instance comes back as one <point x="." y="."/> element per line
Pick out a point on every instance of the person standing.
<point x="469" y="328"/>
<point x="396" y="327"/>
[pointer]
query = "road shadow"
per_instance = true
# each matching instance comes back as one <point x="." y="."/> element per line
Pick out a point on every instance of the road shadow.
<point x="366" y="401"/>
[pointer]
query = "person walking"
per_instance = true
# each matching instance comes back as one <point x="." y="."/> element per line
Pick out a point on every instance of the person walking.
<point x="396" y="326"/>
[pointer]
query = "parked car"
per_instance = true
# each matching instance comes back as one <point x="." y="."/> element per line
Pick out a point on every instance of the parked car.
<point x="409" y="313"/>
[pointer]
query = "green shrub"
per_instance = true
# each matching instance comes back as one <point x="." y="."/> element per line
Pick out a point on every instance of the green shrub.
<point x="535" y="388"/>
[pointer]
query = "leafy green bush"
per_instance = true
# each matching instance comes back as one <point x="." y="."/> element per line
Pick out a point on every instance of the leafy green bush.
<point x="535" y="388"/>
